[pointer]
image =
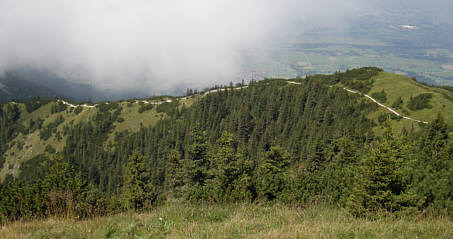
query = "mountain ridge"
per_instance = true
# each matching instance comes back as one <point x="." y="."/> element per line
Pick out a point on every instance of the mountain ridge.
<point x="25" y="82"/>
<point x="130" y="116"/>
<point x="281" y="140"/>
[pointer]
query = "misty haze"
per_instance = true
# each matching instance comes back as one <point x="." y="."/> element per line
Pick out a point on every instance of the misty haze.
<point x="163" y="48"/>
<point x="226" y="119"/>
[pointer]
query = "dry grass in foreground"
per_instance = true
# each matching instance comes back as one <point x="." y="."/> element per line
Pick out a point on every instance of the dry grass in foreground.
<point x="180" y="220"/>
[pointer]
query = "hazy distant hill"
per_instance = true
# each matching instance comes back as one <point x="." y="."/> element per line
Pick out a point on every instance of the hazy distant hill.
<point x="323" y="137"/>
<point x="24" y="83"/>
<point x="13" y="87"/>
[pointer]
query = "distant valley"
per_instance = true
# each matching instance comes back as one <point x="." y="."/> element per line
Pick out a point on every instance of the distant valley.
<point x="25" y="82"/>
<point x="411" y="42"/>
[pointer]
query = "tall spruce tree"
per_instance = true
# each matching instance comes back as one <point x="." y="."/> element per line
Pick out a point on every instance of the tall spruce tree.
<point x="197" y="162"/>
<point x="174" y="174"/>
<point x="138" y="191"/>
<point x="339" y="173"/>
<point x="432" y="169"/>
<point x="272" y="174"/>
<point x="196" y="166"/>
<point x="379" y="183"/>
<point x="230" y="172"/>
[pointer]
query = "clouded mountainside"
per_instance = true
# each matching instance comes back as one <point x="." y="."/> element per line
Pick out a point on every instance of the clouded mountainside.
<point x="25" y="83"/>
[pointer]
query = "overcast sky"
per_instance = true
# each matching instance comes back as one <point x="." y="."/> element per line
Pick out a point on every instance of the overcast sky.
<point x="146" y="43"/>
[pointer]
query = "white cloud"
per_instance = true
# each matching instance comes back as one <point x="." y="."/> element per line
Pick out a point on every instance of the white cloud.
<point x="148" y="43"/>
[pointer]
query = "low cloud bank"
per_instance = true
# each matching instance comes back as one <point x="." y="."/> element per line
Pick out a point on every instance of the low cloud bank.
<point x="152" y="45"/>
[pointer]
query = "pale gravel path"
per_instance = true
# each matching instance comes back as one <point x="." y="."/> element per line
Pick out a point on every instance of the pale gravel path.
<point x="384" y="106"/>
<point x="375" y="101"/>
<point x="149" y="102"/>
<point x="243" y="87"/>
<point x="223" y="89"/>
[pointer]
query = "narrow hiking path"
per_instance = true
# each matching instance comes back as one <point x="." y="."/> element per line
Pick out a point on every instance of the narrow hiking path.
<point x="223" y="89"/>
<point x="150" y="102"/>
<point x="243" y="87"/>
<point x="375" y="101"/>
<point x="384" y="106"/>
<point x="74" y="106"/>
<point x="136" y="102"/>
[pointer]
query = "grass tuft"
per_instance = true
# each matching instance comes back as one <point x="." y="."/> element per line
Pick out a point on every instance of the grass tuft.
<point x="177" y="219"/>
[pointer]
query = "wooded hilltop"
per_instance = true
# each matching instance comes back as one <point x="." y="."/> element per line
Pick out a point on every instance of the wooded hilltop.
<point x="269" y="142"/>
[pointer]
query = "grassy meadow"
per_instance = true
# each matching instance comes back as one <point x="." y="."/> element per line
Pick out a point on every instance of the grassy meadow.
<point x="400" y="86"/>
<point x="25" y="147"/>
<point x="181" y="220"/>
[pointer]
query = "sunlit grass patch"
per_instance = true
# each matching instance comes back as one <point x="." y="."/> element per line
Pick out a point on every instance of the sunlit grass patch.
<point x="177" y="219"/>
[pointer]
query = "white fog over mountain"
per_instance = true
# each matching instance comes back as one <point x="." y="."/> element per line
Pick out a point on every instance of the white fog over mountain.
<point x="166" y="46"/>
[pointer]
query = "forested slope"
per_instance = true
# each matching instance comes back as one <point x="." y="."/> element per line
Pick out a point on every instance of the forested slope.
<point x="269" y="141"/>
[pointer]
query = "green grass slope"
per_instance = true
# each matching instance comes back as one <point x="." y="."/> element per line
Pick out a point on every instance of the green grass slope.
<point x="397" y="86"/>
<point x="182" y="220"/>
<point x="25" y="147"/>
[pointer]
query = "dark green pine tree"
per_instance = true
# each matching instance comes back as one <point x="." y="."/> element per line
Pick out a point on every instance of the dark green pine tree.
<point x="196" y="165"/>
<point x="339" y="173"/>
<point x="138" y="191"/>
<point x="379" y="183"/>
<point x="435" y="140"/>
<point x="432" y="170"/>
<point x="64" y="192"/>
<point x="317" y="155"/>
<point x="174" y="174"/>
<point x="271" y="175"/>
<point x="230" y="173"/>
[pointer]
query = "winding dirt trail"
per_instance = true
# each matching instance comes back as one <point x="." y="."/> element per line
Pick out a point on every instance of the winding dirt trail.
<point x="151" y="102"/>
<point x="384" y="106"/>
<point x="243" y="87"/>
<point x="375" y="101"/>
<point x="223" y="89"/>
<point x="74" y="106"/>
<point x="136" y="102"/>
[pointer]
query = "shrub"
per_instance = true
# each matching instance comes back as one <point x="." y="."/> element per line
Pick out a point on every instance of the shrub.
<point x="138" y="191"/>
<point x="58" y="107"/>
<point x="380" y="96"/>
<point x="167" y="107"/>
<point x="35" y="103"/>
<point x="2" y="161"/>
<point x="379" y="183"/>
<point x="145" y="107"/>
<point x="78" y="110"/>
<point x="50" y="149"/>
<point x="420" y="102"/>
<point x="398" y="103"/>
<point x="272" y="175"/>
<point x="51" y="127"/>
<point x="384" y="116"/>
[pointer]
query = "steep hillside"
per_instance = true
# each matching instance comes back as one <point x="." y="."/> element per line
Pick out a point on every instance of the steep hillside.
<point x="134" y="114"/>
<point x="408" y="103"/>
<point x="28" y="144"/>
<point x="349" y="139"/>
<point x="12" y="87"/>
<point x="398" y="87"/>
<point x="25" y="83"/>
